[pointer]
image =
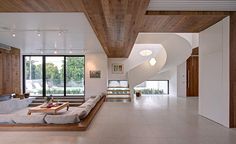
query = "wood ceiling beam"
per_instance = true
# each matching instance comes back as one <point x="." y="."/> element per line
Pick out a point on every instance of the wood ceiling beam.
<point x="116" y="23"/>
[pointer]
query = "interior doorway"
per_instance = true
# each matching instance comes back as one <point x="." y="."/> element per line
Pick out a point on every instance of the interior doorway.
<point x="192" y="67"/>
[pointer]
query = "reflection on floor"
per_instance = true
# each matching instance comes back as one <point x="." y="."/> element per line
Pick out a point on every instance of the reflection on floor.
<point x="147" y="120"/>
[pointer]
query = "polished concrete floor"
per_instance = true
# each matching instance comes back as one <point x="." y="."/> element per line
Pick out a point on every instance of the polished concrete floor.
<point x="147" y="120"/>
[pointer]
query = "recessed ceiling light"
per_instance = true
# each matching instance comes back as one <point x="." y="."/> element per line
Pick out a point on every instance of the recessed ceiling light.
<point x="70" y="51"/>
<point x="55" y="52"/>
<point x="145" y="52"/>
<point x="38" y="34"/>
<point x="59" y="34"/>
<point x="152" y="61"/>
<point x="41" y="51"/>
<point x="13" y="35"/>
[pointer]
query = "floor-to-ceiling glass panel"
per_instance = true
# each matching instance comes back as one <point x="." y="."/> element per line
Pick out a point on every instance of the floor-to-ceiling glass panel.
<point x="33" y="75"/>
<point x="74" y="75"/>
<point x="54" y="75"/>
<point x="153" y="87"/>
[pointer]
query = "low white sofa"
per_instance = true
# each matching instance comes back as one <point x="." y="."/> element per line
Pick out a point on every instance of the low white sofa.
<point x="18" y="114"/>
<point x="74" y="115"/>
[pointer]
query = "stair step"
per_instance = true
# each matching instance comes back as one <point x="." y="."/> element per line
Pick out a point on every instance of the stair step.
<point x="73" y="100"/>
<point x="117" y="100"/>
<point x="61" y="100"/>
<point x="37" y="104"/>
<point x="61" y="97"/>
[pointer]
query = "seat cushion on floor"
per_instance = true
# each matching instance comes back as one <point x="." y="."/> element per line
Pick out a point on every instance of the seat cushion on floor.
<point x="64" y="116"/>
<point x="97" y="98"/>
<point x="91" y="102"/>
<point x="87" y="107"/>
<point x="81" y="112"/>
<point x="6" y="119"/>
<point x="14" y="104"/>
<point x="22" y="117"/>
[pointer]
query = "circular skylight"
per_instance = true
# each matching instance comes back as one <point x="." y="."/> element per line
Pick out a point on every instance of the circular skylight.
<point x="145" y="52"/>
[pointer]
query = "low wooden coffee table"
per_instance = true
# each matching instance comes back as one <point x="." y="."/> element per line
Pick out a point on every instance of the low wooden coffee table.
<point x="53" y="110"/>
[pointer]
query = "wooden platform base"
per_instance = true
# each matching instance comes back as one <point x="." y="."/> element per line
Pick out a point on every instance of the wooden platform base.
<point x="82" y="126"/>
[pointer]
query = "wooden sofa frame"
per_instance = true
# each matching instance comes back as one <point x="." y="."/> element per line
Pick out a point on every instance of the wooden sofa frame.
<point x="82" y="126"/>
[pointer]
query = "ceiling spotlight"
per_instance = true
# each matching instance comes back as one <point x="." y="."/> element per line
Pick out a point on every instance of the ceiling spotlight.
<point x="145" y="52"/>
<point x="152" y="61"/>
<point x="70" y="51"/>
<point x="60" y="33"/>
<point x="55" y="52"/>
<point x="13" y="35"/>
<point x="41" y="51"/>
<point x="38" y="34"/>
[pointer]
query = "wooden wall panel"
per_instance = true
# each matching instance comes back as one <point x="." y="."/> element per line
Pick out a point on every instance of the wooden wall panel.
<point x="7" y="77"/>
<point x="10" y="71"/>
<point x="15" y="56"/>
<point x="233" y="70"/>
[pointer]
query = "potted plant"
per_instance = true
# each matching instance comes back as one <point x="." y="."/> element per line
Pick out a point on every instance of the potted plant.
<point x="49" y="99"/>
<point x="138" y="93"/>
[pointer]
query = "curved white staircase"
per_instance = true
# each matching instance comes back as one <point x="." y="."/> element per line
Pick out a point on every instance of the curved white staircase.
<point x="175" y="50"/>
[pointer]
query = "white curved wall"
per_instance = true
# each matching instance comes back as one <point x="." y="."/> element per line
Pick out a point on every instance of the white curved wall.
<point x="178" y="49"/>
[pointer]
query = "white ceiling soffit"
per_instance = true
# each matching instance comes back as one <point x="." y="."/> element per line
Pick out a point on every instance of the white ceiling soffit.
<point x="192" y="5"/>
<point x="77" y="36"/>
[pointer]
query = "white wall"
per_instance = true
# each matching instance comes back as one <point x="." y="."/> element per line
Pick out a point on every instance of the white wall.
<point x="195" y="40"/>
<point x="123" y="61"/>
<point x="214" y="73"/>
<point x="173" y="82"/>
<point x="95" y="86"/>
<point x="181" y="80"/>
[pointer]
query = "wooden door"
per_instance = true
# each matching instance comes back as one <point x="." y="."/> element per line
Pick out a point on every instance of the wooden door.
<point x="192" y="76"/>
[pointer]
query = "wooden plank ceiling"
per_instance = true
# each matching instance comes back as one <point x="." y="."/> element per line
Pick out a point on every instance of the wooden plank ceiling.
<point x="118" y="22"/>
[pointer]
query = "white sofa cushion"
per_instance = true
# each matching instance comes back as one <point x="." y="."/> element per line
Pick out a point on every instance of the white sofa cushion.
<point x="97" y="98"/>
<point x="87" y="107"/>
<point x="64" y="116"/>
<point x="14" y="104"/>
<point x="22" y="117"/>
<point x="91" y="102"/>
<point x="81" y="112"/>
